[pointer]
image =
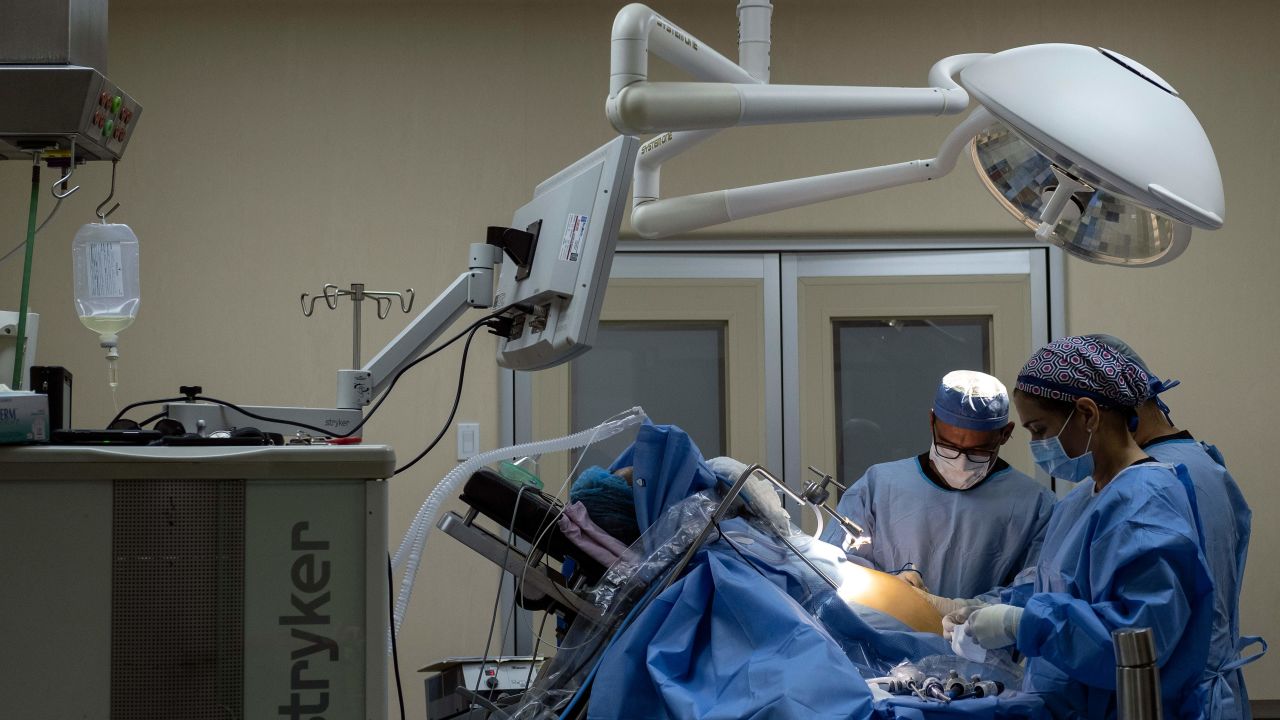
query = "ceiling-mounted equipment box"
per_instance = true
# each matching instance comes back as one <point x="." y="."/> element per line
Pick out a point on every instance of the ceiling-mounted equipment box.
<point x="54" y="32"/>
<point x="53" y="83"/>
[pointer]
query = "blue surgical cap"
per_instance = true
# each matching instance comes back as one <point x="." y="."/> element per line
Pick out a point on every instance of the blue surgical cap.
<point x="972" y="400"/>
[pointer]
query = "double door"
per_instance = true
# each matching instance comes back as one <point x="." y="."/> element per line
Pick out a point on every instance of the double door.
<point x="794" y="360"/>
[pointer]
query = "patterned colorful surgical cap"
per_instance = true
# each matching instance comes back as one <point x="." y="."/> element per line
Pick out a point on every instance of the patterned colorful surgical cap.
<point x="1075" y="367"/>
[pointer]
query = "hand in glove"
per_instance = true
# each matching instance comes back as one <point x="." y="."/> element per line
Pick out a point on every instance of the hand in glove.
<point x="914" y="579"/>
<point x="957" y="617"/>
<point x="945" y="606"/>
<point x="760" y="494"/>
<point x="995" y="626"/>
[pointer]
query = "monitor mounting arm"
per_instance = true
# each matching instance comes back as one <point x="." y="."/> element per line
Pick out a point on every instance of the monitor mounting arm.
<point x="472" y="289"/>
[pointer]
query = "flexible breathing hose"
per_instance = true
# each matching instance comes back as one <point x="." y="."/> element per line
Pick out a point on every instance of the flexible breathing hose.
<point x="26" y="278"/>
<point x="415" y="539"/>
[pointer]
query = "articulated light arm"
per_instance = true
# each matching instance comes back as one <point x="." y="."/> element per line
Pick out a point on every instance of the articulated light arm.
<point x="638" y="30"/>
<point x="648" y="107"/>
<point x="687" y="113"/>
<point x="1110" y="163"/>
<point x="660" y="218"/>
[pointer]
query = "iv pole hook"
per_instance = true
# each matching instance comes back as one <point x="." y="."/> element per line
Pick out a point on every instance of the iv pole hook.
<point x="71" y="169"/>
<point x="98" y="210"/>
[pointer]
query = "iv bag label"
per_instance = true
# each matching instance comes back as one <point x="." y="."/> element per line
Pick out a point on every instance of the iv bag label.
<point x="575" y="233"/>
<point x="106" y="271"/>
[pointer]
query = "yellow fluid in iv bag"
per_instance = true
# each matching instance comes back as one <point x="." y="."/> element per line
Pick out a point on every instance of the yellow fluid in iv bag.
<point x="107" y="324"/>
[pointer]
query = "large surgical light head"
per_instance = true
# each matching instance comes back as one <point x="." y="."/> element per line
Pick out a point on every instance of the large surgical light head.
<point x="1094" y="152"/>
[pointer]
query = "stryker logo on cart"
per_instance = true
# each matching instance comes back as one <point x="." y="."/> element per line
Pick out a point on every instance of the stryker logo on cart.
<point x="309" y="685"/>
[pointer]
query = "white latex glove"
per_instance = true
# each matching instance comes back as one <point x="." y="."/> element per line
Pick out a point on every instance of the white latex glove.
<point x="957" y="617"/>
<point x="914" y="579"/>
<point x="995" y="626"/>
<point x="945" y="606"/>
<point x="966" y="647"/>
<point x="759" y="493"/>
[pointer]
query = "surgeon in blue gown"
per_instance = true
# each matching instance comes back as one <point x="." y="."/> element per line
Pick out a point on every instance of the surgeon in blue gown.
<point x="1226" y="518"/>
<point x="964" y="518"/>
<point x="1123" y="549"/>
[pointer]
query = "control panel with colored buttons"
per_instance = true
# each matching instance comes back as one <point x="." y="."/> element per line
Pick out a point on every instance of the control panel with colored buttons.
<point x="111" y="117"/>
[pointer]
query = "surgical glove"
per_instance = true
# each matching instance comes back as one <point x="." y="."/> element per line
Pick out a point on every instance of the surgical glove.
<point x="945" y="606"/>
<point x="760" y="494"/>
<point x="963" y="644"/>
<point x="913" y="578"/>
<point x="995" y="626"/>
<point x="956" y="618"/>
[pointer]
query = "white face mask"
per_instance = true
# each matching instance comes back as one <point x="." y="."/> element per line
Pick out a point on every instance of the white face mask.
<point x="960" y="473"/>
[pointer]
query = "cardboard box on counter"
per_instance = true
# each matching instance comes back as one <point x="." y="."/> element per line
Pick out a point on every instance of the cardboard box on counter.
<point x="24" y="417"/>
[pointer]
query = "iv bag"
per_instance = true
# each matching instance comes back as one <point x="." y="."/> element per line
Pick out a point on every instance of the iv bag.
<point x="105" y="259"/>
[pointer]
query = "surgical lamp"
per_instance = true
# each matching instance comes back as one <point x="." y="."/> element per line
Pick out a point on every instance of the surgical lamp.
<point x="1090" y="149"/>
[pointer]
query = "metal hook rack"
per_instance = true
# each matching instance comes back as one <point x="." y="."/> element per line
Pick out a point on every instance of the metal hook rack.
<point x="330" y="294"/>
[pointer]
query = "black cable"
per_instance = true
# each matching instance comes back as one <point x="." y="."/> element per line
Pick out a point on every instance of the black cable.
<point x="457" y="398"/>
<point x="497" y="596"/>
<point x="143" y="403"/>
<point x="909" y="566"/>
<point x="395" y="652"/>
<point x="396" y="378"/>
<point x="321" y="431"/>
<point x="153" y="418"/>
<point x="264" y="418"/>
<point x="533" y="655"/>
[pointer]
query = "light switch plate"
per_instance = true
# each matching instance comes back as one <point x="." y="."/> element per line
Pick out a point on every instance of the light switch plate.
<point x="468" y="440"/>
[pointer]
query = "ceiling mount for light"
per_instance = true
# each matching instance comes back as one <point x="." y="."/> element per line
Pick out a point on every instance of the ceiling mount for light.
<point x="1090" y="149"/>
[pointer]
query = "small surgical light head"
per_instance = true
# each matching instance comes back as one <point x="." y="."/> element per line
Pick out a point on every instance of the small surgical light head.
<point x="1094" y="152"/>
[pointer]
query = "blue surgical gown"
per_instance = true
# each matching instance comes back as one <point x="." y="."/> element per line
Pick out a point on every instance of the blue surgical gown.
<point x="751" y="632"/>
<point x="1128" y="556"/>
<point x="666" y="467"/>
<point x="1226" y="521"/>
<point x="964" y="543"/>
<point x="726" y="642"/>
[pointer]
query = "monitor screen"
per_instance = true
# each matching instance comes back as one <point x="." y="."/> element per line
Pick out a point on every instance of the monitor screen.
<point x="555" y="280"/>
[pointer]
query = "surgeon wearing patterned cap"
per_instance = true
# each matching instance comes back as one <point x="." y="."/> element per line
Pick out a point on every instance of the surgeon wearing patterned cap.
<point x="1226" y="521"/>
<point x="959" y="515"/>
<point x="1122" y="550"/>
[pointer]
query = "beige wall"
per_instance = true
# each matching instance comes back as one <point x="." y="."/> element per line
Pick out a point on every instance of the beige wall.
<point x="289" y="144"/>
